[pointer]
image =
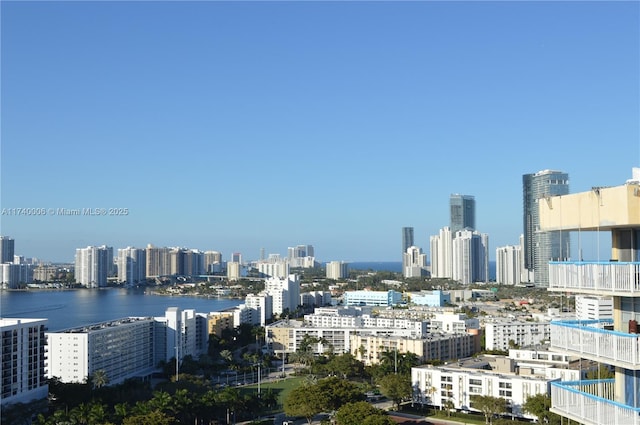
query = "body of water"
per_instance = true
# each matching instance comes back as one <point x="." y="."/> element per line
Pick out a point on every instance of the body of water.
<point x="80" y="307"/>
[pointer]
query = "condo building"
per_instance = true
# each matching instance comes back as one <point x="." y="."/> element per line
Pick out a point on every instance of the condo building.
<point x="337" y="270"/>
<point x="543" y="245"/>
<point x="23" y="373"/>
<point x="463" y="212"/>
<point x="93" y="265"/>
<point x="613" y="342"/>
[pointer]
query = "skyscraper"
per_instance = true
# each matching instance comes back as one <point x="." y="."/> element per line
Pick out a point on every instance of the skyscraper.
<point x="407" y="239"/>
<point x="540" y="247"/>
<point x="92" y="265"/>
<point x="6" y="249"/>
<point x="132" y="265"/>
<point x="463" y="212"/>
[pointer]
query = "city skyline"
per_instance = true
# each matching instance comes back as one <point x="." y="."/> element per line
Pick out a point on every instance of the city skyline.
<point x="365" y="117"/>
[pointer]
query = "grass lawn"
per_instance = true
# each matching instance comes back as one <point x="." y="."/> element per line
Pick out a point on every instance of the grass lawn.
<point x="282" y="387"/>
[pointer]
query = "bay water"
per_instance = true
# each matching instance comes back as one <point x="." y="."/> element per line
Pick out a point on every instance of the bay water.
<point x="80" y="307"/>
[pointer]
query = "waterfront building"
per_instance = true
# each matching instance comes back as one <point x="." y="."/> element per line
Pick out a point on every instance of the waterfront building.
<point x="285" y="293"/>
<point x="132" y="266"/>
<point x="442" y="254"/>
<point x="121" y="348"/>
<point x="502" y="334"/>
<point x="45" y="273"/>
<point x="12" y="275"/>
<point x="273" y="267"/>
<point x="337" y="270"/>
<point x="373" y="298"/>
<point x="92" y="265"/>
<point x="158" y="261"/>
<point x="414" y="262"/>
<point x="589" y="307"/>
<point x="301" y="256"/>
<point x="508" y="265"/>
<point x="212" y="262"/>
<point x="470" y="257"/>
<point x="542" y="246"/>
<point x="615" y="343"/>
<point x="7" y="249"/>
<point x="454" y="384"/>
<point x="23" y="374"/>
<point x="463" y="212"/>
<point x="233" y="270"/>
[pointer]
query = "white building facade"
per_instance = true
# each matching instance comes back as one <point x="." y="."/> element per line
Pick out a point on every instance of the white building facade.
<point x="23" y="374"/>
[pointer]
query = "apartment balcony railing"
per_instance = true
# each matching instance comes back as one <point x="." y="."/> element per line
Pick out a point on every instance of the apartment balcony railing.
<point x="590" y="339"/>
<point x="610" y="277"/>
<point x="591" y="403"/>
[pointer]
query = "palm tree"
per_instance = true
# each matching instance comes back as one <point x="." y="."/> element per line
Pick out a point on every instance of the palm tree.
<point x="99" y="378"/>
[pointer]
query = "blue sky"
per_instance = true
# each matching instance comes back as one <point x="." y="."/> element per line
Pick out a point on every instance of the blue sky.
<point x="235" y="126"/>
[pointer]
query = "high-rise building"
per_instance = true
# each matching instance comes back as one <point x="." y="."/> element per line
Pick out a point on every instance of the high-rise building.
<point x="7" y="246"/>
<point x="463" y="212"/>
<point x="132" y="266"/>
<point x="92" y="265"/>
<point x="23" y="370"/>
<point x="414" y="262"/>
<point x="442" y="254"/>
<point x="158" y="261"/>
<point x="407" y="239"/>
<point x="212" y="262"/>
<point x="301" y="256"/>
<point x="611" y="342"/>
<point x="540" y="247"/>
<point x="337" y="270"/>
<point x="508" y="265"/>
<point x="284" y="292"/>
<point x="470" y="257"/>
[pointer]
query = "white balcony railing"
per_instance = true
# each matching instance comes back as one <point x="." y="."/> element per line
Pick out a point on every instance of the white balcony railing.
<point x="591" y="402"/>
<point x="590" y="340"/>
<point x="597" y="276"/>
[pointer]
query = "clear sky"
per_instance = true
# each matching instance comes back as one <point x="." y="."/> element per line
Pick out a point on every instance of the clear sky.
<point x="235" y="126"/>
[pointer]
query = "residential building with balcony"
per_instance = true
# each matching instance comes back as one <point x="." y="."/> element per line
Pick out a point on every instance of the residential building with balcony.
<point x="498" y="376"/>
<point x="614" y="342"/>
<point x="502" y="334"/>
<point x="23" y="372"/>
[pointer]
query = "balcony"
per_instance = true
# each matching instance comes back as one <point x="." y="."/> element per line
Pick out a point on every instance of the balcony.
<point x="591" y="403"/>
<point x="590" y="340"/>
<point x="595" y="277"/>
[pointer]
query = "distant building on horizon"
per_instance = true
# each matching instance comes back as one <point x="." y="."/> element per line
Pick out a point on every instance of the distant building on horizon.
<point x="541" y="247"/>
<point x="132" y="265"/>
<point x="508" y="264"/>
<point x="414" y="262"/>
<point x="7" y="249"/>
<point x="470" y="257"/>
<point x="337" y="270"/>
<point x="407" y="239"/>
<point x="463" y="212"/>
<point x="92" y="265"/>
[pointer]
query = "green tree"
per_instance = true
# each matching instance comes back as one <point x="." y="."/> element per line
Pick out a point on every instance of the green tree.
<point x="337" y="391"/>
<point x="346" y="365"/>
<point x="603" y="372"/>
<point x="489" y="406"/>
<point x="539" y="406"/>
<point x="304" y="401"/>
<point x="361" y="413"/>
<point x="396" y="388"/>
<point x="152" y="418"/>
